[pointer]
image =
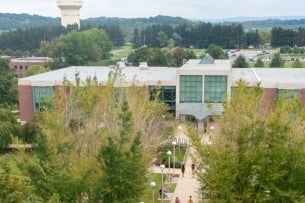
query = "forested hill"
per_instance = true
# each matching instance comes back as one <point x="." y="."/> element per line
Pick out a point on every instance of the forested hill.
<point x="268" y="24"/>
<point x="23" y="21"/>
<point x="14" y="21"/>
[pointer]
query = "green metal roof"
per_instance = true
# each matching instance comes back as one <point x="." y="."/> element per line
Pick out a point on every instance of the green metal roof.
<point x="207" y="59"/>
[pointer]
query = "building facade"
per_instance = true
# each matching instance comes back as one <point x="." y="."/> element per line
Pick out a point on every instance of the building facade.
<point x="194" y="91"/>
<point x="20" y="65"/>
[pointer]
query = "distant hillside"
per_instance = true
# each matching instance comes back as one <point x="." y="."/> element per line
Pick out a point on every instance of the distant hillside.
<point x="129" y="24"/>
<point x="268" y="24"/>
<point x="15" y="21"/>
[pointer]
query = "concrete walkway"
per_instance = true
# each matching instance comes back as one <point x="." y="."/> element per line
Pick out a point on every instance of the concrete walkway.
<point x="187" y="185"/>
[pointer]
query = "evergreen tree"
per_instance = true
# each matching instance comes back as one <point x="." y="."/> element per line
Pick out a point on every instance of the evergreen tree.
<point x="276" y="61"/>
<point x="216" y="52"/>
<point x="8" y="85"/>
<point x="240" y="62"/>
<point x="259" y="63"/>
<point x="122" y="163"/>
<point x="9" y="128"/>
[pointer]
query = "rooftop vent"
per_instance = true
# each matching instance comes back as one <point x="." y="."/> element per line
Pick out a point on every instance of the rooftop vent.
<point x="143" y="66"/>
<point x="121" y="64"/>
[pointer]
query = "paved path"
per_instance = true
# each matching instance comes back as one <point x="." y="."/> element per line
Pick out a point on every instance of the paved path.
<point x="187" y="185"/>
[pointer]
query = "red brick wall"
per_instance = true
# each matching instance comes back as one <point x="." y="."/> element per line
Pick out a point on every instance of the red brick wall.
<point x="25" y="102"/>
<point x="19" y="68"/>
<point x="269" y="95"/>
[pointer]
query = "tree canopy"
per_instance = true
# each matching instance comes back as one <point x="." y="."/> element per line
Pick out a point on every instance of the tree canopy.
<point x="240" y="62"/>
<point x="79" y="48"/>
<point x="8" y="85"/>
<point x="257" y="151"/>
<point x="94" y="134"/>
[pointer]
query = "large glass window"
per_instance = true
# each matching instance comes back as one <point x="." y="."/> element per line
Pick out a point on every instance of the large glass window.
<point x="41" y="96"/>
<point x="167" y="95"/>
<point x="215" y="89"/>
<point x="190" y="88"/>
<point x="290" y="94"/>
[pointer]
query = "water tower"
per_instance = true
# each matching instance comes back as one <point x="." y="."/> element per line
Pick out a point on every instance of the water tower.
<point x="69" y="11"/>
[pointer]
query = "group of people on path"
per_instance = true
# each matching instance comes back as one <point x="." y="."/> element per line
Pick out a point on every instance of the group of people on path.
<point x="190" y="200"/>
<point x="183" y="170"/>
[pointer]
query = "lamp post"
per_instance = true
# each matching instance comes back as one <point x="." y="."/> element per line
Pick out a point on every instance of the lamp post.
<point x="153" y="184"/>
<point x="162" y="166"/>
<point x="174" y="144"/>
<point x="209" y="133"/>
<point x="179" y="129"/>
<point x="169" y="153"/>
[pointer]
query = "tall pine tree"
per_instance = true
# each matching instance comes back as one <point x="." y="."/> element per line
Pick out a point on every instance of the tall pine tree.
<point x="122" y="163"/>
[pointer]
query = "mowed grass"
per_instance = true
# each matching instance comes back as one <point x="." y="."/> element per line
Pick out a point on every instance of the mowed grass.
<point x="122" y="52"/>
<point x="148" y="192"/>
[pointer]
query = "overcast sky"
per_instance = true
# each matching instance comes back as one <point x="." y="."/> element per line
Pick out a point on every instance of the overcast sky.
<point x="191" y="9"/>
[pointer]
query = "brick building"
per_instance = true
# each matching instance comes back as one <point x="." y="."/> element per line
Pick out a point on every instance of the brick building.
<point x="195" y="90"/>
<point x="20" y="65"/>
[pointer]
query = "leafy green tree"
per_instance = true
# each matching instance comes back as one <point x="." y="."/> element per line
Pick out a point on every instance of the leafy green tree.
<point x="259" y="63"/>
<point x="216" y="52"/>
<point x="8" y="85"/>
<point x="122" y="163"/>
<point x="156" y="57"/>
<point x="276" y="61"/>
<point x="14" y="188"/>
<point x="153" y="56"/>
<point x="69" y="135"/>
<point x="179" y="56"/>
<point x="163" y="39"/>
<point x="240" y="62"/>
<point x="190" y="54"/>
<point x="177" y="39"/>
<point x="257" y="153"/>
<point x="169" y="56"/>
<point x="30" y="133"/>
<point x="138" y="55"/>
<point x="79" y="48"/>
<point x="9" y="128"/>
<point x="36" y="69"/>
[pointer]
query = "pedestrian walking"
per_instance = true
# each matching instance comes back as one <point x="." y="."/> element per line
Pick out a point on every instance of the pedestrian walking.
<point x="193" y="169"/>
<point x="190" y="200"/>
<point x="182" y="170"/>
<point x="177" y="200"/>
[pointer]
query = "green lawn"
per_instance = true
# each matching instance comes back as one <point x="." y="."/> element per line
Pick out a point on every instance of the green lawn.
<point x="122" y="52"/>
<point x="156" y="177"/>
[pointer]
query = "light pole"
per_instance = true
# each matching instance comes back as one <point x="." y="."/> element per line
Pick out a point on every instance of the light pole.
<point x="179" y="129"/>
<point x="153" y="184"/>
<point x="174" y="144"/>
<point x="162" y="167"/>
<point x="169" y="153"/>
